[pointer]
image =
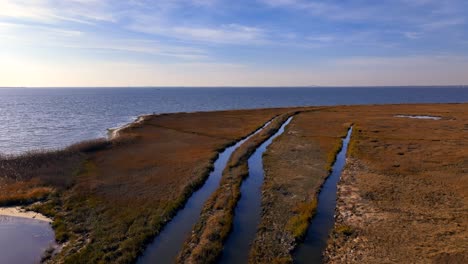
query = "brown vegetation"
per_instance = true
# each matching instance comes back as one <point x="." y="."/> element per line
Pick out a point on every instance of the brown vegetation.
<point x="296" y="164"/>
<point x="33" y="176"/>
<point x="124" y="190"/>
<point x="403" y="195"/>
<point x="206" y="242"/>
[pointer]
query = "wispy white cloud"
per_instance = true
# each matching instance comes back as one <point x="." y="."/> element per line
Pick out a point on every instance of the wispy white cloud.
<point x="153" y="17"/>
<point x="438" y="25"/>
<point x="47" y="36"/>
<point x="413" y="35"/>
<point x="414" y="19"/>
<point x="443" y="24"/>
<point x="53" y="11"/>
<point x="225" y="34"/>
<point x="16" y="30"/>
<point x="326" y="9"/>
<point x="428" y="13"/>
<point x="197" y="39"/>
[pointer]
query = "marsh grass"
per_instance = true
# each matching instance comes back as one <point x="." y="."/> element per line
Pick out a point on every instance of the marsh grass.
<point x="33" y="176"/>
<point x="215" y="223"/>
<point x="297" y="225"/>
<point x="296" y="165"/>
<point x="127" y="189"/>
<point x="337" y="147"/>
<point x="332" y="155"/>
<point x="353" y="146"/>
<point x="400" y="172"/>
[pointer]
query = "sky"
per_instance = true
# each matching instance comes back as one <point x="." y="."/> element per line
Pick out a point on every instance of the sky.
<point x="233" y="43"/>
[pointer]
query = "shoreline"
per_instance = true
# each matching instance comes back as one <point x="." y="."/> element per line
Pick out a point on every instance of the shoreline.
<point x="184" y="145"/>
<point x="113" y="133"/>
<point x="19" y="212"/>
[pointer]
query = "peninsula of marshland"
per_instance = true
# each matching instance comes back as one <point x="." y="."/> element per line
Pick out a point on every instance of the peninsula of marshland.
<point x="402" y="197"/>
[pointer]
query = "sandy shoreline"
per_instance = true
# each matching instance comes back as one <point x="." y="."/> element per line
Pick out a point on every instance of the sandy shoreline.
<point x="19" y="212"/>
<point x="114" y="132"/>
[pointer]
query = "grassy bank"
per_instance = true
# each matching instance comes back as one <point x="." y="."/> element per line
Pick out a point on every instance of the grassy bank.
<point x="206" y="242"/>
<point x="296" y="165"/>
<point x="402" y="196"/>
<point x="110" y="198"/>
<point x="33" y="176"/>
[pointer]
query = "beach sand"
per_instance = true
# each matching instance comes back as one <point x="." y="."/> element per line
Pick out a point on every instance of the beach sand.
<point x="19" y="212"/>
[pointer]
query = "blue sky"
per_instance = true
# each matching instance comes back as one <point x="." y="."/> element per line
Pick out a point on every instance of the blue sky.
<point x="233" y="43"/>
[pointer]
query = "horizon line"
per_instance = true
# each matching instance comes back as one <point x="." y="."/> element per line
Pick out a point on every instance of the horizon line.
<point x="243" y="86"/>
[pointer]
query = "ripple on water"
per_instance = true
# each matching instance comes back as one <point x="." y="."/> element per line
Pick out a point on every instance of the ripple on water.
<point x="74" y="114"/>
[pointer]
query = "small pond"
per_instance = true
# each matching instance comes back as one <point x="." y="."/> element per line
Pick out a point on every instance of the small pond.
<point x="24" y="240"/>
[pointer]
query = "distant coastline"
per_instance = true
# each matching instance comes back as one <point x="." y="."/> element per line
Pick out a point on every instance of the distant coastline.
<point x="53" y="118"/>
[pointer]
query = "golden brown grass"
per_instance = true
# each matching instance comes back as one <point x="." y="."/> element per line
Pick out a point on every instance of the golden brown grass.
<point x="206" y="243"/>
<point x="127" y="190"/>
<point x="32" y="176"/>
<point x="22" y="192"/>
<point x="301" y="215"/>
<point x="296" y="164"/>
<point x="403" y="195"/>
<point x="109" y="198"/>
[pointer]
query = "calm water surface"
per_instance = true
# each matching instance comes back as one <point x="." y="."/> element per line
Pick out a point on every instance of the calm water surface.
<point x="45" y="118"/>
<point x="311" y="250"/>
<point x="169" y="242"/>
<point x="247" y="212"/>
<point x="24" y="240"/>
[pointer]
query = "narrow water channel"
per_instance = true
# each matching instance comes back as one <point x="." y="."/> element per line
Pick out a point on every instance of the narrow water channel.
<point x="311" y="250"/>
<point x="247" y="212"/>
<point x="167" y="245"/>
<point x="24" y="240"/>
